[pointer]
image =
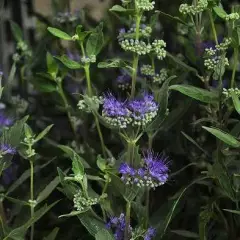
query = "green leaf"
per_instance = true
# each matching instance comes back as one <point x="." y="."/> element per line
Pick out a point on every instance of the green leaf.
<point x="171" y="18"/>
<point x="225" y="137"/>
<point x="72" y="154"/>
<point x="52" y="235"/>
<point x="95" y="41"/>
<point x="69" y="63"/>
<point x="220" y="12"/>
<point x="16" y="31"/>
<point x="103" y="234"/>
<point x="232" y="211"/>
<point x="113" y="63"/>
<point x="16" y="201"/>
<point x="58" y="33"/>
<point x="52" y="65"/>
<point x="48" y="190"/>
<point x="161" y="226"/>
<point x="185" y="233"/>
<point x="20" y="231"/>
<point x="219" y="70"/>
<point x="77" y="166"/>
<point x="181" y="63"/>
<point x="196" y="93"/>
<point x="43" y="133"/>
<point x="118" y="8"/>
<point x="74" y="213"/>
<point x="43" y="85"/>
<point x="81" y="34"/>
<point x="236" y="37"/>
<point x="101" y="163"/>
<point x="24" y="177"/>
<point x="91" y="223"/>
<point x="236" y="101"/>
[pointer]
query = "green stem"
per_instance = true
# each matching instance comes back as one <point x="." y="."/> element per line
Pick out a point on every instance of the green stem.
<point x="65" y="101"/>
<point x="135" y="56"/>
<point x="7" y="87"/>
<point x="213" y="27"/>
<point x="234" y="66"/>
<point x="32" y="197"/>
<point x="130" y="152"/>
<point x="147" y="207"/>
<point x="128" y="216"/>
<point x="90" y="93"/>
<point x="2" y="212"/>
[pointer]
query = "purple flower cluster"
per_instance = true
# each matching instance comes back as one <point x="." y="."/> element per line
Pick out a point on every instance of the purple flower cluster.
<point x="137" y="112"/>
<point x="152" y="174"/>
<point x="4" y="120"/>
<point x="7" y="149"/>
<point x="117" y="224"/>
<point x="123" y="81"/>
<point x="151" y="233"/>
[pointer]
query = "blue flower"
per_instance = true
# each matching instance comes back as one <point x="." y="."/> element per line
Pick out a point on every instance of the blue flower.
<point x="73" y="56"/>
<point x="4" y="120"/>
<point x="10" y="174"/>
<point x="123" y="81"/>
<point x="7" y="149"/>
<point x="143" y="109"/>
<point x="115" y="112"/>
<point x="151" y="232"/>
<point x="117" y="224"/>
<point x="152" y="173"/>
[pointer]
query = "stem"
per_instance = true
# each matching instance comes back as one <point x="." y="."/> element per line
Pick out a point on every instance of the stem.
<point x="234" y="66"/>
<point x="213" y="27"/>
<point x="135" y="56"/>
<point x="61" y="92"/>
<point x="32" y="197"/>
<point x="130" y="152"/>
<point x="147" y="207"/>
<point x="128" y="215"/>
<point x="2" y="212"/>
<point x="90" y="93"/>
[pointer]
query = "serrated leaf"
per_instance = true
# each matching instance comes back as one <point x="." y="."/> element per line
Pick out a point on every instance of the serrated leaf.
<point x="236" y="101"/>
<point x="223" y="136"/>
<point x="52" y="235"/>
<point x="43" y="133"/>
<point x="95" y="41"/>
<point x="68" y="62"/>
<point x="196" y="93"/>
<point x="185" y="233"/>
<point x="59" y="33"/>
<point x="103" y="234"/>
<point x="48" y="190"/>
<point x="16" y="31"/>
<point x="220" y="11"/>
<point x="91" y="224"/>
<point x="51" y="65"/>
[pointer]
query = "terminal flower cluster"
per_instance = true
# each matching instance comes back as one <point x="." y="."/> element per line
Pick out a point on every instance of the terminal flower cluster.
<point x="153" y="172"/>
<point x="194" y="9"/>
<point x="136" y="112"/>
<point x="82" y="203"/>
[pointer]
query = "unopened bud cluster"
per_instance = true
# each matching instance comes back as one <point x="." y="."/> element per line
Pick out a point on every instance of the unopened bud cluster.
<point x="232" y="17"/>
<point x="147" y="70"/>
<point x="86" y="105"/>
<point x="136" y="46"/>
<point x="224" y="45"/>
<point x="160" y="78"/>
<point x="216" y="62"/>
<point x="194" y="9"/>
<point x="145" y="5"/>
<point x="22" y="51"/>
<point x="86" y="60"/>
<point x="159" y="49"/>
<point x="227" y="92"/>
<point x="82" y="203"/>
